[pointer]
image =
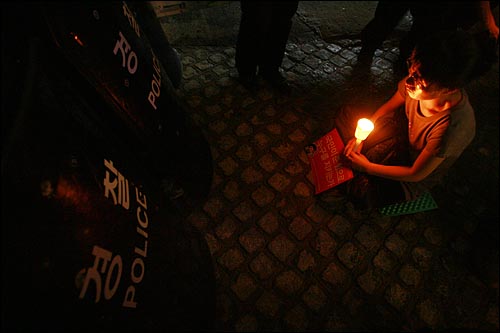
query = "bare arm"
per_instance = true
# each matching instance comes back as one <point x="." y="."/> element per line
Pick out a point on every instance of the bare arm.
<point x="393" y="103"/>
<point x="421" y="168"/>
<point x="488" y="19"/>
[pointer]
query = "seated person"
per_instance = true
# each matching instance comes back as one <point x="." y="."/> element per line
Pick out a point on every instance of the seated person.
<point x="420" y="131"/>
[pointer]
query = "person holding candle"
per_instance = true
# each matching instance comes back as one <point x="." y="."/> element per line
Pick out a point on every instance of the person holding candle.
<point x="421" y="130"/>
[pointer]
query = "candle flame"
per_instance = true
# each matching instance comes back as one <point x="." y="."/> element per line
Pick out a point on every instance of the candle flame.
<point x="364" y="128"/>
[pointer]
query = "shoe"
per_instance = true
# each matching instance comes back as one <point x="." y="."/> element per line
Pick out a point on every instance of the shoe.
<point x="276" y="80"/>
<point x="249" y="82"/>
<point x="333" y="200"/>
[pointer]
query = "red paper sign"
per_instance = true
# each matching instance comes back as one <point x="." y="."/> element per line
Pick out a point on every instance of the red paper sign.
<point x="327" y="163"/>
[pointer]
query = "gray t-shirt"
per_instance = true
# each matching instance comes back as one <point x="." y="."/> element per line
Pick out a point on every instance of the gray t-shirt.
<point x="445" y="134"/>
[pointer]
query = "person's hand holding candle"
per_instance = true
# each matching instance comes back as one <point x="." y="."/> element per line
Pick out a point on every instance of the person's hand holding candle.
<point x="353" y="148"/>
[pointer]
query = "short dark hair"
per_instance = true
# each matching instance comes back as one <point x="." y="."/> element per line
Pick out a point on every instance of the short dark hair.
<point x="449" y="59"/>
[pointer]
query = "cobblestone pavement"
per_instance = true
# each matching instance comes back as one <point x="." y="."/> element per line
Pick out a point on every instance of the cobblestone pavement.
<point x="282" y="262"/>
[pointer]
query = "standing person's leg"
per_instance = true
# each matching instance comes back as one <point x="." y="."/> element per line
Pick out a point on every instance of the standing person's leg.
<point x="386" y="18"/>
<point x="276" y="38"/>
<point x="247" y="44"/>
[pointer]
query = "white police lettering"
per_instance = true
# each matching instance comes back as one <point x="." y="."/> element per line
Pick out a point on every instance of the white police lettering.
<point x="123" y="197"/>
<point x="131" y="19"/>
<point x="138" y="267"/>
<point x="155" y="82"/>
<point x="93" y="274"/>
<point x="129" y="58"/>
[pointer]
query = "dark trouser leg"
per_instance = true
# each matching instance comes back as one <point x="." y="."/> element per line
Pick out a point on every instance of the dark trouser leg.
<point x="387" y="144"/>
<point x="247" y="43"/>
<point x="276" y="36"/>
<point x="386" y="18"/>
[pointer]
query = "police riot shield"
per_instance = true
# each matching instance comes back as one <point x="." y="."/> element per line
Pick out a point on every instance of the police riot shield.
<point x="90" y="238"/>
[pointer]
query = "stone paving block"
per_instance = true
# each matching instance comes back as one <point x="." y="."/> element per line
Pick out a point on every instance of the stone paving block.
<point x="300" y="228"/>
<point x="433" y="235"/>
<point x="350" y="255"/>
<point x="231" y="259"/>
<point x="289" y="282"/>
<point x="218" y="126"/>
<point x="228" y="166"/>
<point x="263" y="196"/>
<point x="281" y="247"/>
<point x="286" y="210"/>
<point x="287" y="64"/>
<point x="213" y="206"/>
<point x="397" y="245"/>
<point x="334" y="48"/>
<point x="296" y="55"/>
<point x="316" y="213"/>
<point x="327" y="67"/>
<point x="252" y="240"/>
<point x="429" y="312"/>
<point x="303" y="190"/>
<point x="297" y="136"/>
<point x="336" y="275"/>
<point x="283" y="150"/>
<point x="314" y="297"/>
<point x="269" y="223"/>
<point x="340" y="226"/>
<point x="422" y="257"/>
<point x="302" y="69"/>
<point x="305" y="261"/>
<point x="268" y="162"/>
<point x="397" y="296"/>
<point x="226" y="142"/>
<point x="244" y="287"/>
<point x="257" y="120"/>
<point x="313" y="62"/>
<point x="244" y="129"/>
<point x="202" y="65"/>
<point x="275" y="129"/>
<point x="294" y="168"/>
<point x="245" y="153"/>
<point x="251" y="175"/>
<point x="410" y="275"/>
<point x="227" y="229"/>
<point x="263" y="266"/>
<point x="217" y="58"/>
<point x="307" y="48"/>
<point x="279" y="182"/>
<point x="338" y="61"/>
<point x="371" y="280"/>
<point x="324" y="244"/>
<point x="368" y="237"/>
<point x="244" y="211"/>
<point x="384" y="260"/>
<point x="322" y="54"/>
<point x="408" y="228"/>
<point x="261" y="141"/>
<point x="268" y="304"/>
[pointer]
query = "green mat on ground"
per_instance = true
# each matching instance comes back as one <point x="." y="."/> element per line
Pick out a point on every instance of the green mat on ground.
<point x="421" y="204"/>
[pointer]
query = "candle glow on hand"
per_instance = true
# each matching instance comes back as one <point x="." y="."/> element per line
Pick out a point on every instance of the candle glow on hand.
<point x="364" y="128"/>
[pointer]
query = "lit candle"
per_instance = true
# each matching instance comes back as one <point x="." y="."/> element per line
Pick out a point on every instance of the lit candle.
<point x="364" y="128"/>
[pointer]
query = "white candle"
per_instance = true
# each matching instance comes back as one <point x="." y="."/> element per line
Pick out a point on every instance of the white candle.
<point x="364" y="128"/>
